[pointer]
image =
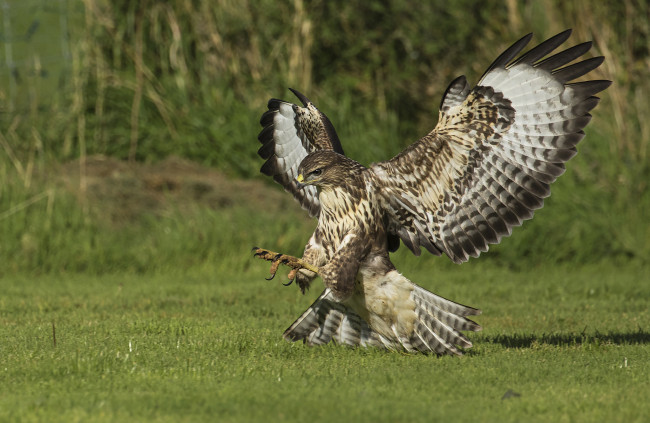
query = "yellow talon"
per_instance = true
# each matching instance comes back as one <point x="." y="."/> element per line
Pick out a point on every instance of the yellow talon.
<point x="277" y="259"/>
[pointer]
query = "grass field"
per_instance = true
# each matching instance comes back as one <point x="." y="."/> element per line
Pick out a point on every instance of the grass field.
<point x="559" y="344"/>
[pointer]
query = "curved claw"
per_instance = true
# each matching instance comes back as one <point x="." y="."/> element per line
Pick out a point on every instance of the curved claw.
<point x="278" y="259"/>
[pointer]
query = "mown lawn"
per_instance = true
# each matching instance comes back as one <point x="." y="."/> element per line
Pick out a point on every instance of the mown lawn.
<point x="559" y="344"/>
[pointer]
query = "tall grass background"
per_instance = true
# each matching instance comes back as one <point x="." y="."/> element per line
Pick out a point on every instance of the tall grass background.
<point x="146" y="80"/>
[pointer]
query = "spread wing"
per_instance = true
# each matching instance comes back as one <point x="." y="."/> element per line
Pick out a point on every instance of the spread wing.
<point x="489" y="162"/>
<point x="290" y="133"/>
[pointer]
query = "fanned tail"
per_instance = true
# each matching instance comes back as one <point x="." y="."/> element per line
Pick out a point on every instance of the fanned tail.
<point x="436" y="325"/>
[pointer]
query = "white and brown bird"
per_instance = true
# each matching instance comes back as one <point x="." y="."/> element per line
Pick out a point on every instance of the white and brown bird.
<point x="485" y="167"/>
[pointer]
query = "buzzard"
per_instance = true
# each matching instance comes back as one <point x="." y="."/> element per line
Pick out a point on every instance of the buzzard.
<point x="485" y="167"/>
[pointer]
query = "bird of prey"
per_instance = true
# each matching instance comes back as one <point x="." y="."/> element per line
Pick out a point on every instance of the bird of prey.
<point x="485" y="167"/>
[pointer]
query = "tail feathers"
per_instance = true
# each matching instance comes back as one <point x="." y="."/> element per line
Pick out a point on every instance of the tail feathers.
<point x="436" y="327"/>
<point x="439" y="322"/>
<point x="326" y="320"/>
<point x="446" y="310"/>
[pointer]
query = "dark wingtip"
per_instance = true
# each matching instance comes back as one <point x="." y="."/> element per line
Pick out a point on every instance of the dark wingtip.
<point x="300" y="96"/>
<point x="508" y="55"/>
<point x="456" y="87"/>
<point x="512" y="51"/>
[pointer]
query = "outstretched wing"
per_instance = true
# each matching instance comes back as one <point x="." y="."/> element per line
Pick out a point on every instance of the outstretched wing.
<point x="489" y="162"/>
<point x="290" y="133"/>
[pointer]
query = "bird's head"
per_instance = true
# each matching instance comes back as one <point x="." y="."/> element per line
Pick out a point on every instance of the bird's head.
<point x="325" y="169"/>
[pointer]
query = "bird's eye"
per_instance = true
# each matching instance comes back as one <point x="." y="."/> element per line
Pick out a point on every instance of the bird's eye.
<point x="317" y="172"/>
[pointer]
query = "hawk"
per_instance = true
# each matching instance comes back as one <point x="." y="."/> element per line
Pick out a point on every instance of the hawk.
<point x="484" y="169"/>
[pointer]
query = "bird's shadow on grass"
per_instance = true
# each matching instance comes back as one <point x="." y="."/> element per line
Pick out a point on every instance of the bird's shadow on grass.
<point x="564" y="339"/>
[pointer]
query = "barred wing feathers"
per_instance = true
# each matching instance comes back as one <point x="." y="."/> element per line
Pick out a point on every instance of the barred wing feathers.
<point x="489" y="162"/>
<point x="289" y="133"/>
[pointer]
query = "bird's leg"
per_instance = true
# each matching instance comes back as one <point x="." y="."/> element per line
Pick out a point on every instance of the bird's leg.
<point x="277" y="259"/>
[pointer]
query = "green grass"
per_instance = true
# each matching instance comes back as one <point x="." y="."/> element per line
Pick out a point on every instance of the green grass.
<point x="201" y="80"/>
<point x="206" y="345"/>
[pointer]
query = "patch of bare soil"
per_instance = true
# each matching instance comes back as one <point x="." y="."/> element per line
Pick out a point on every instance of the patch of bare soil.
<point x="121" y="192"/>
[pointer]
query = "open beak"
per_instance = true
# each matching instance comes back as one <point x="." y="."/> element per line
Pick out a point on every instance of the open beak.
<point x="299" y="181"/>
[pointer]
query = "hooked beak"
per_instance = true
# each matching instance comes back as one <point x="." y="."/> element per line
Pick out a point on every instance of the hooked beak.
<point x="299" y="181"/>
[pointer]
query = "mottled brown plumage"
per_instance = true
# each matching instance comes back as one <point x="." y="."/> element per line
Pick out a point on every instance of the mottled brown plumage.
<point x="485" y="168"/>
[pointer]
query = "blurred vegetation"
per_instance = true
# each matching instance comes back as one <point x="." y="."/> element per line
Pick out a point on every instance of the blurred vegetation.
<point x="152" y="79"/>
